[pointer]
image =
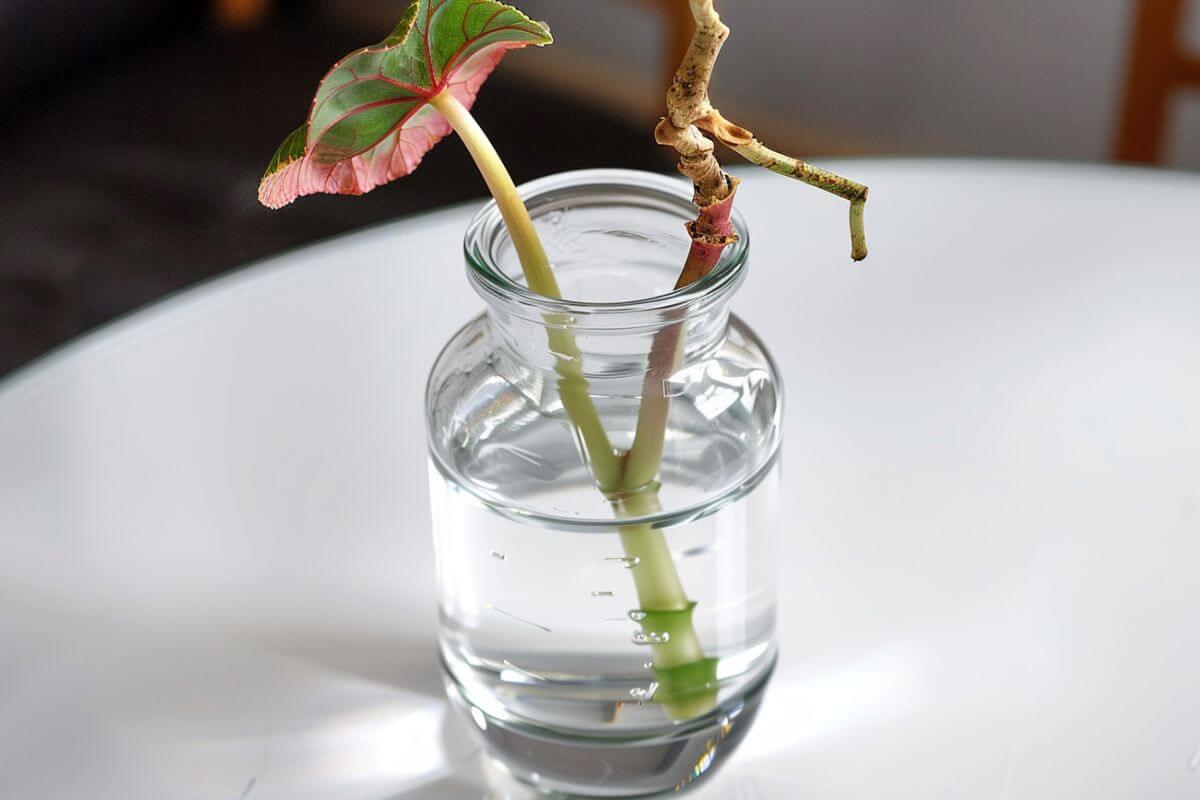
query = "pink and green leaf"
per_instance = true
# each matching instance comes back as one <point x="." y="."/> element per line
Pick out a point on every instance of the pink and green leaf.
<point x="371" y="121"/>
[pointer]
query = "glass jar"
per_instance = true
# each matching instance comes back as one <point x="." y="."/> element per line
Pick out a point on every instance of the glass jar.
<point x="608" y="633"/>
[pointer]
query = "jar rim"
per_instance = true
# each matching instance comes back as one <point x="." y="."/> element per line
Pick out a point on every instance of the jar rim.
<point x="488" y="228"/>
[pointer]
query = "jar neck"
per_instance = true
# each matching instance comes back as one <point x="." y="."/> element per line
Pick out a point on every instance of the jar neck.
<point x="617" y="240"/>
<point x="610" y="348"/>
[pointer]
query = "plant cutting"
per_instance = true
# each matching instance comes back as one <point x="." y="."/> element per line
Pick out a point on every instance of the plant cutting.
<point x="690" y="116"/>
<point x="373" y="117"/>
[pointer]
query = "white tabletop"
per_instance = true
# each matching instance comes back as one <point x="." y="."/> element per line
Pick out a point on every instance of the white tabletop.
<point x="216" y="569"/>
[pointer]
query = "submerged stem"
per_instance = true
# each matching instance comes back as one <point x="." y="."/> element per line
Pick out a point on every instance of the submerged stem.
<point x="650" y="437"/>
<point x="686" y="678"/>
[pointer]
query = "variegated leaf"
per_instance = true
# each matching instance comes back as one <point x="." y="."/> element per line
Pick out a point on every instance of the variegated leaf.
<point x="371" y="120"/>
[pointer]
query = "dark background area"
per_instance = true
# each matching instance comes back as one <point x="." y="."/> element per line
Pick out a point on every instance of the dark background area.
<point x="137" y="130"/>
<point x="137" y="134"/>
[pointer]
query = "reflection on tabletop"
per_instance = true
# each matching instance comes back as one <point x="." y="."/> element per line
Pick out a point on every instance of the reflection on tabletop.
<point x="147" y="710"/>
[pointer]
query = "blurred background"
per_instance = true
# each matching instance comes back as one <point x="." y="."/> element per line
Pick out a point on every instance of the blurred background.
<point x="137" y="130"/>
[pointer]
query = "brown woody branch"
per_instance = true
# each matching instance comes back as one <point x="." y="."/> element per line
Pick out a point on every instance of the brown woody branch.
<point x="690" y="116"/>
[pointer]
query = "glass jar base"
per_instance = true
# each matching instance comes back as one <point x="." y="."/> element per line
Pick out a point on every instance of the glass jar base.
<point x="649" y="763"/>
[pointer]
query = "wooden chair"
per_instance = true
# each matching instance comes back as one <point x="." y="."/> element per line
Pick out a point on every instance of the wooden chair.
<point x="241" y="14"/>
<point x="1159" y="67"/>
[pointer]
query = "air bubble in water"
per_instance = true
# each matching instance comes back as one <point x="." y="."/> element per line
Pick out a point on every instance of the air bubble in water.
<point x="629" y="562"/>
<point x="637" y="615"/>
<point x="498" y="555"/>
<point x="644" y="695"/>
<point x="602" y="594"/>
<point x="653" y="637"/>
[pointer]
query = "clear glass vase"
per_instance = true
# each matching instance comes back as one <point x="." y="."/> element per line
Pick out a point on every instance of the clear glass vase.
<point x="608" y="633"/>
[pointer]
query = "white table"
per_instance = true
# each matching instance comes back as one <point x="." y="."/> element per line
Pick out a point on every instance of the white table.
<point x="215" y="568"/>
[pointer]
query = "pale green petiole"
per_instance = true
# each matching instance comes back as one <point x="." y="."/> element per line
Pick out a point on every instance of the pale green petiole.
<point x="572" y="385"/>
<point x="686" y="677"/>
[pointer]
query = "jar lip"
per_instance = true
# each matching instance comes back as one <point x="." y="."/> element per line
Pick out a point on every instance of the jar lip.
<point x="488" y="226"/>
